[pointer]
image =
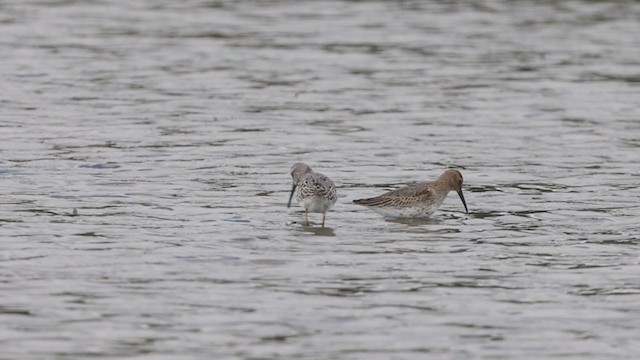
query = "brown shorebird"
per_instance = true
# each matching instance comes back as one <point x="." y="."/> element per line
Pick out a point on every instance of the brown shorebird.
<point x="417" y="200"/>
<point x="316" y="193"/>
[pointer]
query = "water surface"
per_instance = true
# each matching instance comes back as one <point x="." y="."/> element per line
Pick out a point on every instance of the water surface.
<point x="170" y="128"/>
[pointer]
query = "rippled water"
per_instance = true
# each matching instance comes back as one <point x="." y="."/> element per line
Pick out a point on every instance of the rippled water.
<point x="170" y="128"/>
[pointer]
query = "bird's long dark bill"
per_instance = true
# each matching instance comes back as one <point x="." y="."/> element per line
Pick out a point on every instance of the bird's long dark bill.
<point x="293" y="190"/>
<point x="463" y="202"/>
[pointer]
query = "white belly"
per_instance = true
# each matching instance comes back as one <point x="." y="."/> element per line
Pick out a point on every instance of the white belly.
<point x="316" y="204"/>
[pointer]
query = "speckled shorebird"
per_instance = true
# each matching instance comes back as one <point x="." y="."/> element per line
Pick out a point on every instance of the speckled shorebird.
<point x="417" y="200"/>
<point x="316" y="192"/>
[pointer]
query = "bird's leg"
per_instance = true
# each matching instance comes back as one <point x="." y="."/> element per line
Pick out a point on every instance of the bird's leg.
<point x="323" y="215"/>
<point x="306" y="217"/>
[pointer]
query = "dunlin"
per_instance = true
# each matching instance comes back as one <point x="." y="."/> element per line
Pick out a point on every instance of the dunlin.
<point x="316" y="192"/>
<point x="417" y="200"/>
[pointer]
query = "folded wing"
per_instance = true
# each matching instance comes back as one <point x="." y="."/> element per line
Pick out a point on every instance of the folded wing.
<point x="405" y="196"/>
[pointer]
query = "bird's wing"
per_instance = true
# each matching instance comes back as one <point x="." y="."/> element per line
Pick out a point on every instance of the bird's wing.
<point x="411" y="190"/>
<point x="319" y="185"/>
<point x="404" y="196"/>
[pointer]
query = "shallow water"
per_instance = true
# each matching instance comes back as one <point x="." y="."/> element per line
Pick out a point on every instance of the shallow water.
<point x="170" y="128"/>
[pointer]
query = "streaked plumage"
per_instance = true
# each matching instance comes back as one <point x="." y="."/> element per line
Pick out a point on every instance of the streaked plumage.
<point x="316" y="192"/>
<point x="416" y="200"/>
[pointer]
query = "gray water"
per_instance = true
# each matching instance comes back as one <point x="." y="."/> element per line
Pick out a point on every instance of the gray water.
<point x="169" y="127"/>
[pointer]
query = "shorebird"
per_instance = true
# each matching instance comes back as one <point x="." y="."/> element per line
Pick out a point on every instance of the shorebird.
<point x="316" y="192"/>
<point x="417" y="200"/>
